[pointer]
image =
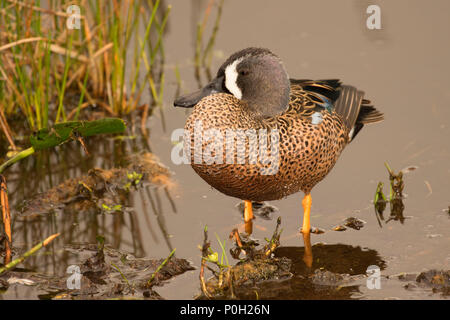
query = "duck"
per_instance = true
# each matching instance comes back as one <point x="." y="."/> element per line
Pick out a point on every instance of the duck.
<point x="258" y="135"/>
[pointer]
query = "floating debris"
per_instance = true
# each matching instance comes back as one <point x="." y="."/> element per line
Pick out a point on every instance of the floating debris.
<point x="107" y="273"/>
<point x="100" y="189"/>
<point x="26" y="282"/>
<point x="409" y="169"/>
<point x="354" y="223"/>
<point x="328" y="278"/>
<point x="438" y="281"/>
<point x="317" y="230"/>
<point x="350" y="222"/>
<point x="339" y="228"/>
<point x="434" y="235"/>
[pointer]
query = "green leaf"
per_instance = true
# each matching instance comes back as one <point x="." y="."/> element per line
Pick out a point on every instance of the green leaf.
<point x="65" y="131"/>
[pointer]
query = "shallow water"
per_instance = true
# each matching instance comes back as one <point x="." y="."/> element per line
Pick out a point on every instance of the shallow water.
<point x="403" y="70"/>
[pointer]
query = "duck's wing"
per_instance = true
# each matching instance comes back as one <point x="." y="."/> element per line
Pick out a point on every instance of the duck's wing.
<point x="310" y="96"/>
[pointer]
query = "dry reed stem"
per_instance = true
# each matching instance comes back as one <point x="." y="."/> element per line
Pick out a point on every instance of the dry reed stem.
<point x="15" y="43"/>
<point x="6" y="218"/>
<point x="144" y="120"/>
<point x="6" y="129"/>
<point x="46" y="11"/>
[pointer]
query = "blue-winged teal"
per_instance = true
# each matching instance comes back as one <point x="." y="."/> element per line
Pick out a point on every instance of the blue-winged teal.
<point x="315" y="121"/>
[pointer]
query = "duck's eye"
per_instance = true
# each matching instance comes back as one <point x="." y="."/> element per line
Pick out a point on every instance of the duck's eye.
<point x="244" y="72"/>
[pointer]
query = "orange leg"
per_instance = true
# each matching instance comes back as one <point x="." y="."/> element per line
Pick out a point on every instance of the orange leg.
<point x="307" y="201"/>
<point x="248" y="216"/>
<point x="248" y="212"/>
<point x="307" y="256"/>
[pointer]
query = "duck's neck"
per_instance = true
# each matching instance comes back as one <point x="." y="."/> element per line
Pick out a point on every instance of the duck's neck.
<point x="268" y="106"/>
<point x="271" y="98"/>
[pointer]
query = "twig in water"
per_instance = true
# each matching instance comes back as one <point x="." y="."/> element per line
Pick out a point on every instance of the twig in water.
<point x="27" y="254"/>
<point x="430" y="191"/>
<point x="160" y="267"/>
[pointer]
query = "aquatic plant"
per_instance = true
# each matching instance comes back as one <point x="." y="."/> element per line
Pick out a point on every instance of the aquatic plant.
<point x="50" y="72"/>
<point x="63" y="132"/>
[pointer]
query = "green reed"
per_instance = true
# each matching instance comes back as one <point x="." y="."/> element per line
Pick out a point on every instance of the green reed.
<point x="50" y="73"/>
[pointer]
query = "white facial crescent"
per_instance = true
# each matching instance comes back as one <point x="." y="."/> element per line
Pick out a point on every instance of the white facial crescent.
<point x="231" y="76"/>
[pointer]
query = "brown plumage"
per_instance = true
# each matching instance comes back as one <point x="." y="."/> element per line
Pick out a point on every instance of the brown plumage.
<point x="320" y="119"/>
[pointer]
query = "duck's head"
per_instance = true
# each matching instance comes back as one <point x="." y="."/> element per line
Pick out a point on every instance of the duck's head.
<point x="255" y="76"/>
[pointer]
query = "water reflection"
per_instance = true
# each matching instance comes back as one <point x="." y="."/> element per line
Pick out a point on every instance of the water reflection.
<point x="324" y="271"/>
<point x="318" y="272"/>
<point x="56" y="200"/>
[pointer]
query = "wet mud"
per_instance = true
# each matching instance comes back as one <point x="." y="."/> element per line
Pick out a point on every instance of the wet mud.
<point x="104" y="273"/>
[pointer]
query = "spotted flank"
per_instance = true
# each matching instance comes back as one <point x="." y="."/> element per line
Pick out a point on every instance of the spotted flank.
<point x="316" y="120"/>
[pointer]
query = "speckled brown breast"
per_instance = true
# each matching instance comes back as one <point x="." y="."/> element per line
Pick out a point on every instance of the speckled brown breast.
<point x="307" y="151"/>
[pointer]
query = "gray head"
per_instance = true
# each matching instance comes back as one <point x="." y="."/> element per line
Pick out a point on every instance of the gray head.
<point x="254" y="75"/>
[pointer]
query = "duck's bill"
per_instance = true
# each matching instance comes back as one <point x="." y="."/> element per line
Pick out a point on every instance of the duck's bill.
<point x="191" y="99"/>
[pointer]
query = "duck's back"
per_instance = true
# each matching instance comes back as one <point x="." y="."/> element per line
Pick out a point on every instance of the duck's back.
<point x="303" y="143"/>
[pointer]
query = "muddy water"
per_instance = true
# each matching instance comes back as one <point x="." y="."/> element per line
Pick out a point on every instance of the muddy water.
<point x="403" y="69"/>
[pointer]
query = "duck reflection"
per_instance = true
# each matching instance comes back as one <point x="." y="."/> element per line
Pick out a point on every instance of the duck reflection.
<point x="321" y="271"/>
<point x="335" y="272"/>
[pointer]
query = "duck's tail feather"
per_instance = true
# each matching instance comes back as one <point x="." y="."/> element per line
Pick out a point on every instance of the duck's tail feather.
<point x="355" y="110"/>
